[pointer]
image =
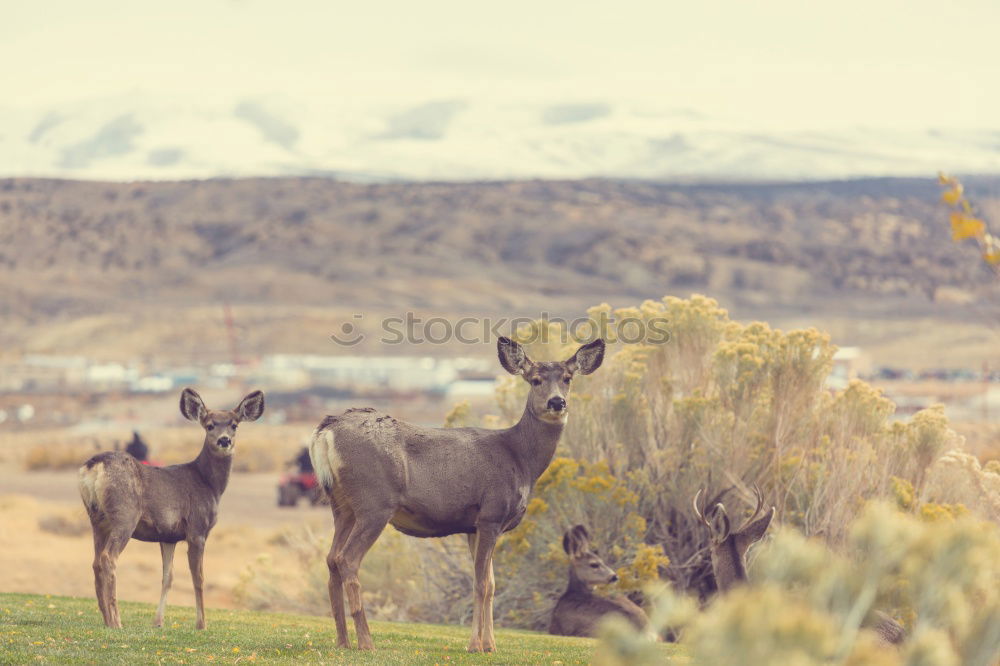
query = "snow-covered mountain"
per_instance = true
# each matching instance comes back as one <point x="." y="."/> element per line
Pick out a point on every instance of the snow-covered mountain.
<point x="142" y="138"/>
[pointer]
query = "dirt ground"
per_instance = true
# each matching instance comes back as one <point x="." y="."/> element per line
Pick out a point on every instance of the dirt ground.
<point x="56" y="559"/>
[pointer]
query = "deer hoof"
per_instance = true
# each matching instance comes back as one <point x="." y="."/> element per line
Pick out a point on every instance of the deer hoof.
<point x="475" y="646"/>
<point x="366" y="644"/>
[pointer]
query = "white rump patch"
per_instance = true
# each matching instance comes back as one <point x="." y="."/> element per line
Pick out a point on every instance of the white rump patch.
<point x="325" y="459"/>
<point x="92" y="483"/>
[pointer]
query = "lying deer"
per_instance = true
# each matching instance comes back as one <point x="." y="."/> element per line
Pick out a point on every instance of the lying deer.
<point x="433" y="482"/>
<point x="579" y="610"/>
<point x="127" y="500"/>
<point x="728" y="550"/>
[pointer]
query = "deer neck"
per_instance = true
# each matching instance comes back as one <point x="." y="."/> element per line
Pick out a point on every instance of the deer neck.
<point x="577" y="587"/>
<point x="728" y="567"/>
<point x="214" y="469"/>
<point x="534" y="442"/>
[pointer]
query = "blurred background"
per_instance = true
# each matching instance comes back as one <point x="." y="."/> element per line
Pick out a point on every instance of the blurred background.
<point x="203" y="193"/>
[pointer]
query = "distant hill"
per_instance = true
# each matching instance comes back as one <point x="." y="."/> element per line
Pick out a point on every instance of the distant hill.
<point x="73" y="252"/>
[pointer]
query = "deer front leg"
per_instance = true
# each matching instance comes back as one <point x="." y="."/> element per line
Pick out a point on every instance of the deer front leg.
<point x="475" y="603"/>
<point x="196" y="554"/>
<point x="489" y="643"/>
<point x="482" y="612"/>
<point x="167" y="553"/>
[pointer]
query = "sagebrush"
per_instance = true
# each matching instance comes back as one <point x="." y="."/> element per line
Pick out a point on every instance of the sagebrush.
<point x="721" y="406"/>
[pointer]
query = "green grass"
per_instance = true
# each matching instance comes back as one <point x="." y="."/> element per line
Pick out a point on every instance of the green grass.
<point x="49" y="629"/>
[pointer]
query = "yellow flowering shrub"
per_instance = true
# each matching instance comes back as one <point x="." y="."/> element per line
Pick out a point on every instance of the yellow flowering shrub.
<point x="720" y="405"/>
<point x="459" y="416"/>
<point x="572" y="492"/>
<point x="902" y="491"/>
<point x="956" y="478"/>
<point x="723" y="405"/>
<point x="808" y="605"/>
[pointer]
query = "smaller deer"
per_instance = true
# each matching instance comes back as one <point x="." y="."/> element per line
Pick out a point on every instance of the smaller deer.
<point x="729" y="549"/>
<point x="127" y="500"/>
<point x="579" y="611"/>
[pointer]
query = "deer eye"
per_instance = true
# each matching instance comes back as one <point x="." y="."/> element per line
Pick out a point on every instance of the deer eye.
<point x="210" y="426"/>
<point x="233" y="425"/>
<point x="535" y="381"/>
<point x="594" y="565"/>
<point x="566" y="379"/>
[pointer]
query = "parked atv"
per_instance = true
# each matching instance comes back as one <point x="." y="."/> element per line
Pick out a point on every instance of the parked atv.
<point x="295" y="485"/>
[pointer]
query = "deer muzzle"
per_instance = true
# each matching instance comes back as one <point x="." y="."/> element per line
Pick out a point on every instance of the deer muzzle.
<point x="557" y="404"/>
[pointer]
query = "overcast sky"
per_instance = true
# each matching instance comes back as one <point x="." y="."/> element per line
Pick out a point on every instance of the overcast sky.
<point x="918" y="63"/>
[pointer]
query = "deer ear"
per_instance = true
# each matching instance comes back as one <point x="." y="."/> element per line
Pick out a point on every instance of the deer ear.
<point x="568" y="542"/>
<point x="756" y="530"/>
<point x="587" y="358"/>
<point x="512" y="356"/>
<point x="575" y="540"/>
<point x="251" y="407"/>
<point x="192" y="406"/>
<point x="581" y="539"/>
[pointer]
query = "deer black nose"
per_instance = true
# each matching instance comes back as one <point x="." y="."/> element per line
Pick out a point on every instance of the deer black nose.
<point x="557" y="403"/>
<point x="614" y="578"/>
<point x="224" y="442"/>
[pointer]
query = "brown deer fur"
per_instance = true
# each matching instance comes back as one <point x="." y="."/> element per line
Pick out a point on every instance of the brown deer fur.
<point x="127" y="500"/>
<point x="432" y="482"/>
<point x="728" y="550"/>
<point x="579" y="611"/>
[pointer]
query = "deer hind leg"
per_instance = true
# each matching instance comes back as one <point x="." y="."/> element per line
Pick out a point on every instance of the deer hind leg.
<point x="107" y="563"/>
<point x="100" y="578"/>
<point x="167" y="553"/>
<point x="367" y="528"/>
<point x="482" y="628"/>
<point x="343" y="524"/>
<point x="196" y="554"/>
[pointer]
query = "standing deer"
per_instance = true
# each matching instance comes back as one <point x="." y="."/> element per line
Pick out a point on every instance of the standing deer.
<point x="433" y="482"/>
<point x="579" y="610"/>
<point x="728" y="550"/>
<point x="127" y="500"/>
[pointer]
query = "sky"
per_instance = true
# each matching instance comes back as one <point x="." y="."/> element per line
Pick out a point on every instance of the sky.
<point x="772" y="63"/>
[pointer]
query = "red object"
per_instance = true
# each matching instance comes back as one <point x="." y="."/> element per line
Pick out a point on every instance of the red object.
<point x="293" y="486"/>
<point x="152" y="463"/>
<point x="307" y="480"/>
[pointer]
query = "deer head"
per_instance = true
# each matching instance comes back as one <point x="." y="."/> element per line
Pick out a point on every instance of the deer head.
<point x="550" y="381"/>
<point x="729" y="547"/>
<point x="220" y="425"/>
<point x="584" y="563"/>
